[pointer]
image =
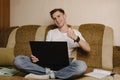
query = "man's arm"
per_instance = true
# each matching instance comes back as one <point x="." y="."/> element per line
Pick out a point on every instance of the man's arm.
<point x="83" y="44"/>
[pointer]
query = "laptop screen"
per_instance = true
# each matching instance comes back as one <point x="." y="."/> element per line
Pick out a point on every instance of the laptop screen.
<point x="53" y="55"/>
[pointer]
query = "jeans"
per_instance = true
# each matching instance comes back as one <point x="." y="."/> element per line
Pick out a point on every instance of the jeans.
<point x="76" y="68"/>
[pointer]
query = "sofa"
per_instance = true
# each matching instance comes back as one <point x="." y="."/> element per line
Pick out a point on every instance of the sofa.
<point x="14" y="41"/>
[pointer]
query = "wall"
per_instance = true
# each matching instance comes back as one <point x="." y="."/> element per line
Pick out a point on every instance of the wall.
<point x="78" y="12"/>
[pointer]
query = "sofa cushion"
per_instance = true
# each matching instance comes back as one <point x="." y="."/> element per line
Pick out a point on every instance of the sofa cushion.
<point x="93" y="33"/>
<point x="4" y="35"/>
<point x="11" y="40"/>
<point x="107" y="48"/>
<point x="41" y="33"/>
<point x="6" y="56"/>
<point x="25" y="34"/>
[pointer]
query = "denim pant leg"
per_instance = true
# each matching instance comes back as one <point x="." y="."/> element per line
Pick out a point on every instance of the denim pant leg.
<point x="76" y="68"/>
<point x="24" y="63"/>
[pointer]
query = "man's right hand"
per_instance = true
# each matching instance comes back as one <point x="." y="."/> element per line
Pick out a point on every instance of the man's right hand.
<point x="34" y="59"/>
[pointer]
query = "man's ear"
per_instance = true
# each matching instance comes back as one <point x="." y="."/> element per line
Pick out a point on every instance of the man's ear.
<point x="65" y="16"/>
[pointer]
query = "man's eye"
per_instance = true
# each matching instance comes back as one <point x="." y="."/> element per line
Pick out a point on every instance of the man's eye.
<point x="54" y="18"/>
<point x="58" y="16"/>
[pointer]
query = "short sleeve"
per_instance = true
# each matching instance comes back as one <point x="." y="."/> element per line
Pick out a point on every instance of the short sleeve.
<point x="48" y="37"/>
<point x="79" y="34"/>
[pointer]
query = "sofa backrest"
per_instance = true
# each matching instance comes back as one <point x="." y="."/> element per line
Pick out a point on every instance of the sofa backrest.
<point x="4" y="36"/>
<point x="100" y="39"/>
<point x="25" y="34"/>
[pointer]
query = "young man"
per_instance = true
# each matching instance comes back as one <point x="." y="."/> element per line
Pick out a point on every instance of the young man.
<point x="62" y="33"/>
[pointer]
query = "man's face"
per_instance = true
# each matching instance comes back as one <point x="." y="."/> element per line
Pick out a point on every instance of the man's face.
<point x="59" y="19"/>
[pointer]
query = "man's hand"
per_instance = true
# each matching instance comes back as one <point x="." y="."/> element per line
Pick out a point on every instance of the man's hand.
<point x="34" y="59"/>
<point x="71" y="34"/>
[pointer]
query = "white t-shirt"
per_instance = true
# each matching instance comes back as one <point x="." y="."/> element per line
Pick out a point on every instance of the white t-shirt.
<point x="56" y="35"/>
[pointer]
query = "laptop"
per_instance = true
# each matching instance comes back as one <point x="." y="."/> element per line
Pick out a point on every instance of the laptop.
<point x="53" y="55"/>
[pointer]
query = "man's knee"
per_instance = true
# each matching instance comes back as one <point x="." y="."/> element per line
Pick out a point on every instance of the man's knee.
<point x="19" y="61"/>
<point x="81" y="66"/>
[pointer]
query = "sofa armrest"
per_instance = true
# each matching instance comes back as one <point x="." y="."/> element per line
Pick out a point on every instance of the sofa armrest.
<point x="116" y="56"/>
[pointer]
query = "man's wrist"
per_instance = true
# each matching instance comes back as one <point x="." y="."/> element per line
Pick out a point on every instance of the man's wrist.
<point x="77" y="40"/>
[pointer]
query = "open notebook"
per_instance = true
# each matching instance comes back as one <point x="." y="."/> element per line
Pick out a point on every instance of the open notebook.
<point x="99" y="73"/>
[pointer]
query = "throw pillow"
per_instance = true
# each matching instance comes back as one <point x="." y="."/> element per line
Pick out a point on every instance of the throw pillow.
<point x="6" y="56"/>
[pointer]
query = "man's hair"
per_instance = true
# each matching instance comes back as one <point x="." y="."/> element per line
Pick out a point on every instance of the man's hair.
<point x="55" y="10"/>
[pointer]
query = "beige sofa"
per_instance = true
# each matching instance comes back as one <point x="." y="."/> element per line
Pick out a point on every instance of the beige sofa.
<point x="15" y="41"/>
